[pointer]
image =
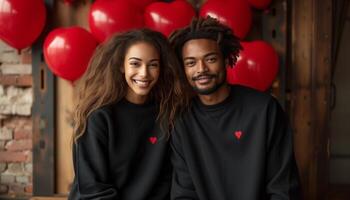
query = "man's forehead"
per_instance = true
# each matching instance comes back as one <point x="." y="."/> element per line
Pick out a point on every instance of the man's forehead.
<point x="199" y="47"/>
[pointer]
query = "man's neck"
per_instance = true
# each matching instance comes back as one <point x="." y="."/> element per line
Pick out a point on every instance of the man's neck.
<point x="217" y="97"/>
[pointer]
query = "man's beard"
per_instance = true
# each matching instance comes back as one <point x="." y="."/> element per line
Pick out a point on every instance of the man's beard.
<point x="209" y="90"/>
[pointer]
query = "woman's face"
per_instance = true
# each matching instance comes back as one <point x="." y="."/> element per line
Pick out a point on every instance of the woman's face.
<point x="141" y="70"/>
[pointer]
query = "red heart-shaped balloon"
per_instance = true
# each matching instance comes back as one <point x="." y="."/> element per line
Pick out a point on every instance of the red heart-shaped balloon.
<point x="234" y="13"/>
<point x="107" y="17"/>
<point x="256" y="67"/>
<point x="166" y="17"/>
<point x="21" y="21"/>
<point x="67" y="51"/>
<point x="69" y="2"/>
<point x="142" y="4"/>
<point x="259" y="4"/>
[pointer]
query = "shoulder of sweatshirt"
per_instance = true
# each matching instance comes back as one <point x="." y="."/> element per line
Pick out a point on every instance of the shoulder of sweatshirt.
<point x="99" y="121"/>
<point x="253" y="98"/>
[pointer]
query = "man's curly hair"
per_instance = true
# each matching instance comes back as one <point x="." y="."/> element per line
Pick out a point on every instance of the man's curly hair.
<point x="208" y="28"/>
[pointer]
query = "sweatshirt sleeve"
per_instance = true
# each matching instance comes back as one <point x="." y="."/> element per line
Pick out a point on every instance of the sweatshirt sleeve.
<point x="162" y="187"/>
<point x="282" y="174"/>
<point x="182" y="185"/>
<point x="90" y="155"/>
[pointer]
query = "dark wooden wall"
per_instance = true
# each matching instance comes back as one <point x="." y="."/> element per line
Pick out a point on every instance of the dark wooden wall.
<point x="309" y="79"/>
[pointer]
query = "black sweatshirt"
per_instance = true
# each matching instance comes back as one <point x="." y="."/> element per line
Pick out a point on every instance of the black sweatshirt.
<point x="239" y="149"/>
<point x="122" y="155"/>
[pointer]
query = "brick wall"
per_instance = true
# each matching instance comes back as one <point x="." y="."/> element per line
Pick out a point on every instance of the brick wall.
<point x="16" y="99"/>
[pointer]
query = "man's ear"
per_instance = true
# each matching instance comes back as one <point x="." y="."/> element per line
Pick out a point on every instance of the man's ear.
<point x="226" y="62"/>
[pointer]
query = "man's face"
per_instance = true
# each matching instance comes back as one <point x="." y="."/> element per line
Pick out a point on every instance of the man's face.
<point x="204" y="65"/>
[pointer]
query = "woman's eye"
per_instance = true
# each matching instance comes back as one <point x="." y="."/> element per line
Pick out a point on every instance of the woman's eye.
<point x="134" y="63"/>
<point x="154" y="65"/>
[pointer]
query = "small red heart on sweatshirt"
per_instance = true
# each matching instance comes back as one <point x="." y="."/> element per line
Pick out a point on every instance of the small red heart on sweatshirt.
<point x="238" y="134"/>
<point x="153" y="140"/>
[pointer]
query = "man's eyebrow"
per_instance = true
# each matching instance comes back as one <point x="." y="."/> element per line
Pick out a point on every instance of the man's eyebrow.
<point x="206" y="55"/>
<point x="188" y="58"/>
<point x="210" y="54"/>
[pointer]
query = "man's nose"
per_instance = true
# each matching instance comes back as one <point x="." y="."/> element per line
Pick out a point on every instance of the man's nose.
<point x="202" y="67"/>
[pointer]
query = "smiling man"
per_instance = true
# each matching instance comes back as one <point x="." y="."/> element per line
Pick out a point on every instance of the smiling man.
<point x="234" y="142"/>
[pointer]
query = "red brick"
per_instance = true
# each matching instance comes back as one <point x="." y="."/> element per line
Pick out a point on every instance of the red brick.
<point x="22" y="134"/>
<point x="17" y="80"/>
<point x="10" y="156"/>
<point x="18" y="122"/>
<point x="26" y="57"/>
<point x="19" y="145"/>
<point x="28" y="123"/>
<point x="29" y="189"/>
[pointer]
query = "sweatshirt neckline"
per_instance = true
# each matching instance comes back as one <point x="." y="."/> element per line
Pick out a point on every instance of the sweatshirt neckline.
<point x="218" y="106"/>
<point x="135" y="105"/>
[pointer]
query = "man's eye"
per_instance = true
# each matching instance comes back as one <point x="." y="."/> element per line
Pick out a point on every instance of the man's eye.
<point x="189" y="63"/>
<point x="211" y="60"/>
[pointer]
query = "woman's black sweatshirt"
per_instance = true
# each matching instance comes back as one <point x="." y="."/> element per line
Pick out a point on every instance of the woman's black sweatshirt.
<point x="122" y="155"/>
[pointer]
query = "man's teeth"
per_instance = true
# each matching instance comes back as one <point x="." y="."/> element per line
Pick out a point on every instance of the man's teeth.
<point x="203" y="77"/>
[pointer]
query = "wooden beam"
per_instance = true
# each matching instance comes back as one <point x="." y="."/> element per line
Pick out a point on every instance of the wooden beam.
<point x="43" y="120"/>
<point x="321" y="79"/>
<point x="310" y="83"/>
<point x="274" y="31"/>
<point x="65" y="16"/>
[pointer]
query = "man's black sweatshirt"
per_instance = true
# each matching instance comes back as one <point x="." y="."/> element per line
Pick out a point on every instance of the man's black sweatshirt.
<point x="239" y="149"/>
<point x="122" y="155"/>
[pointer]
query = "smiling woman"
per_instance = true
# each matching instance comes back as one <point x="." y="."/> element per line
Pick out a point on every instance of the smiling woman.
<point x="128" y="99"/>
<point x="141" y="69"/>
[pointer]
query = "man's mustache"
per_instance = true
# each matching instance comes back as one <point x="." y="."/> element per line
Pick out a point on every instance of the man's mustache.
<point x="195" y="78"/>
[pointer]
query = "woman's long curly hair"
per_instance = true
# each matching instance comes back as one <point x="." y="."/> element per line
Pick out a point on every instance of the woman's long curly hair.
<point x="103" y="83"/>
